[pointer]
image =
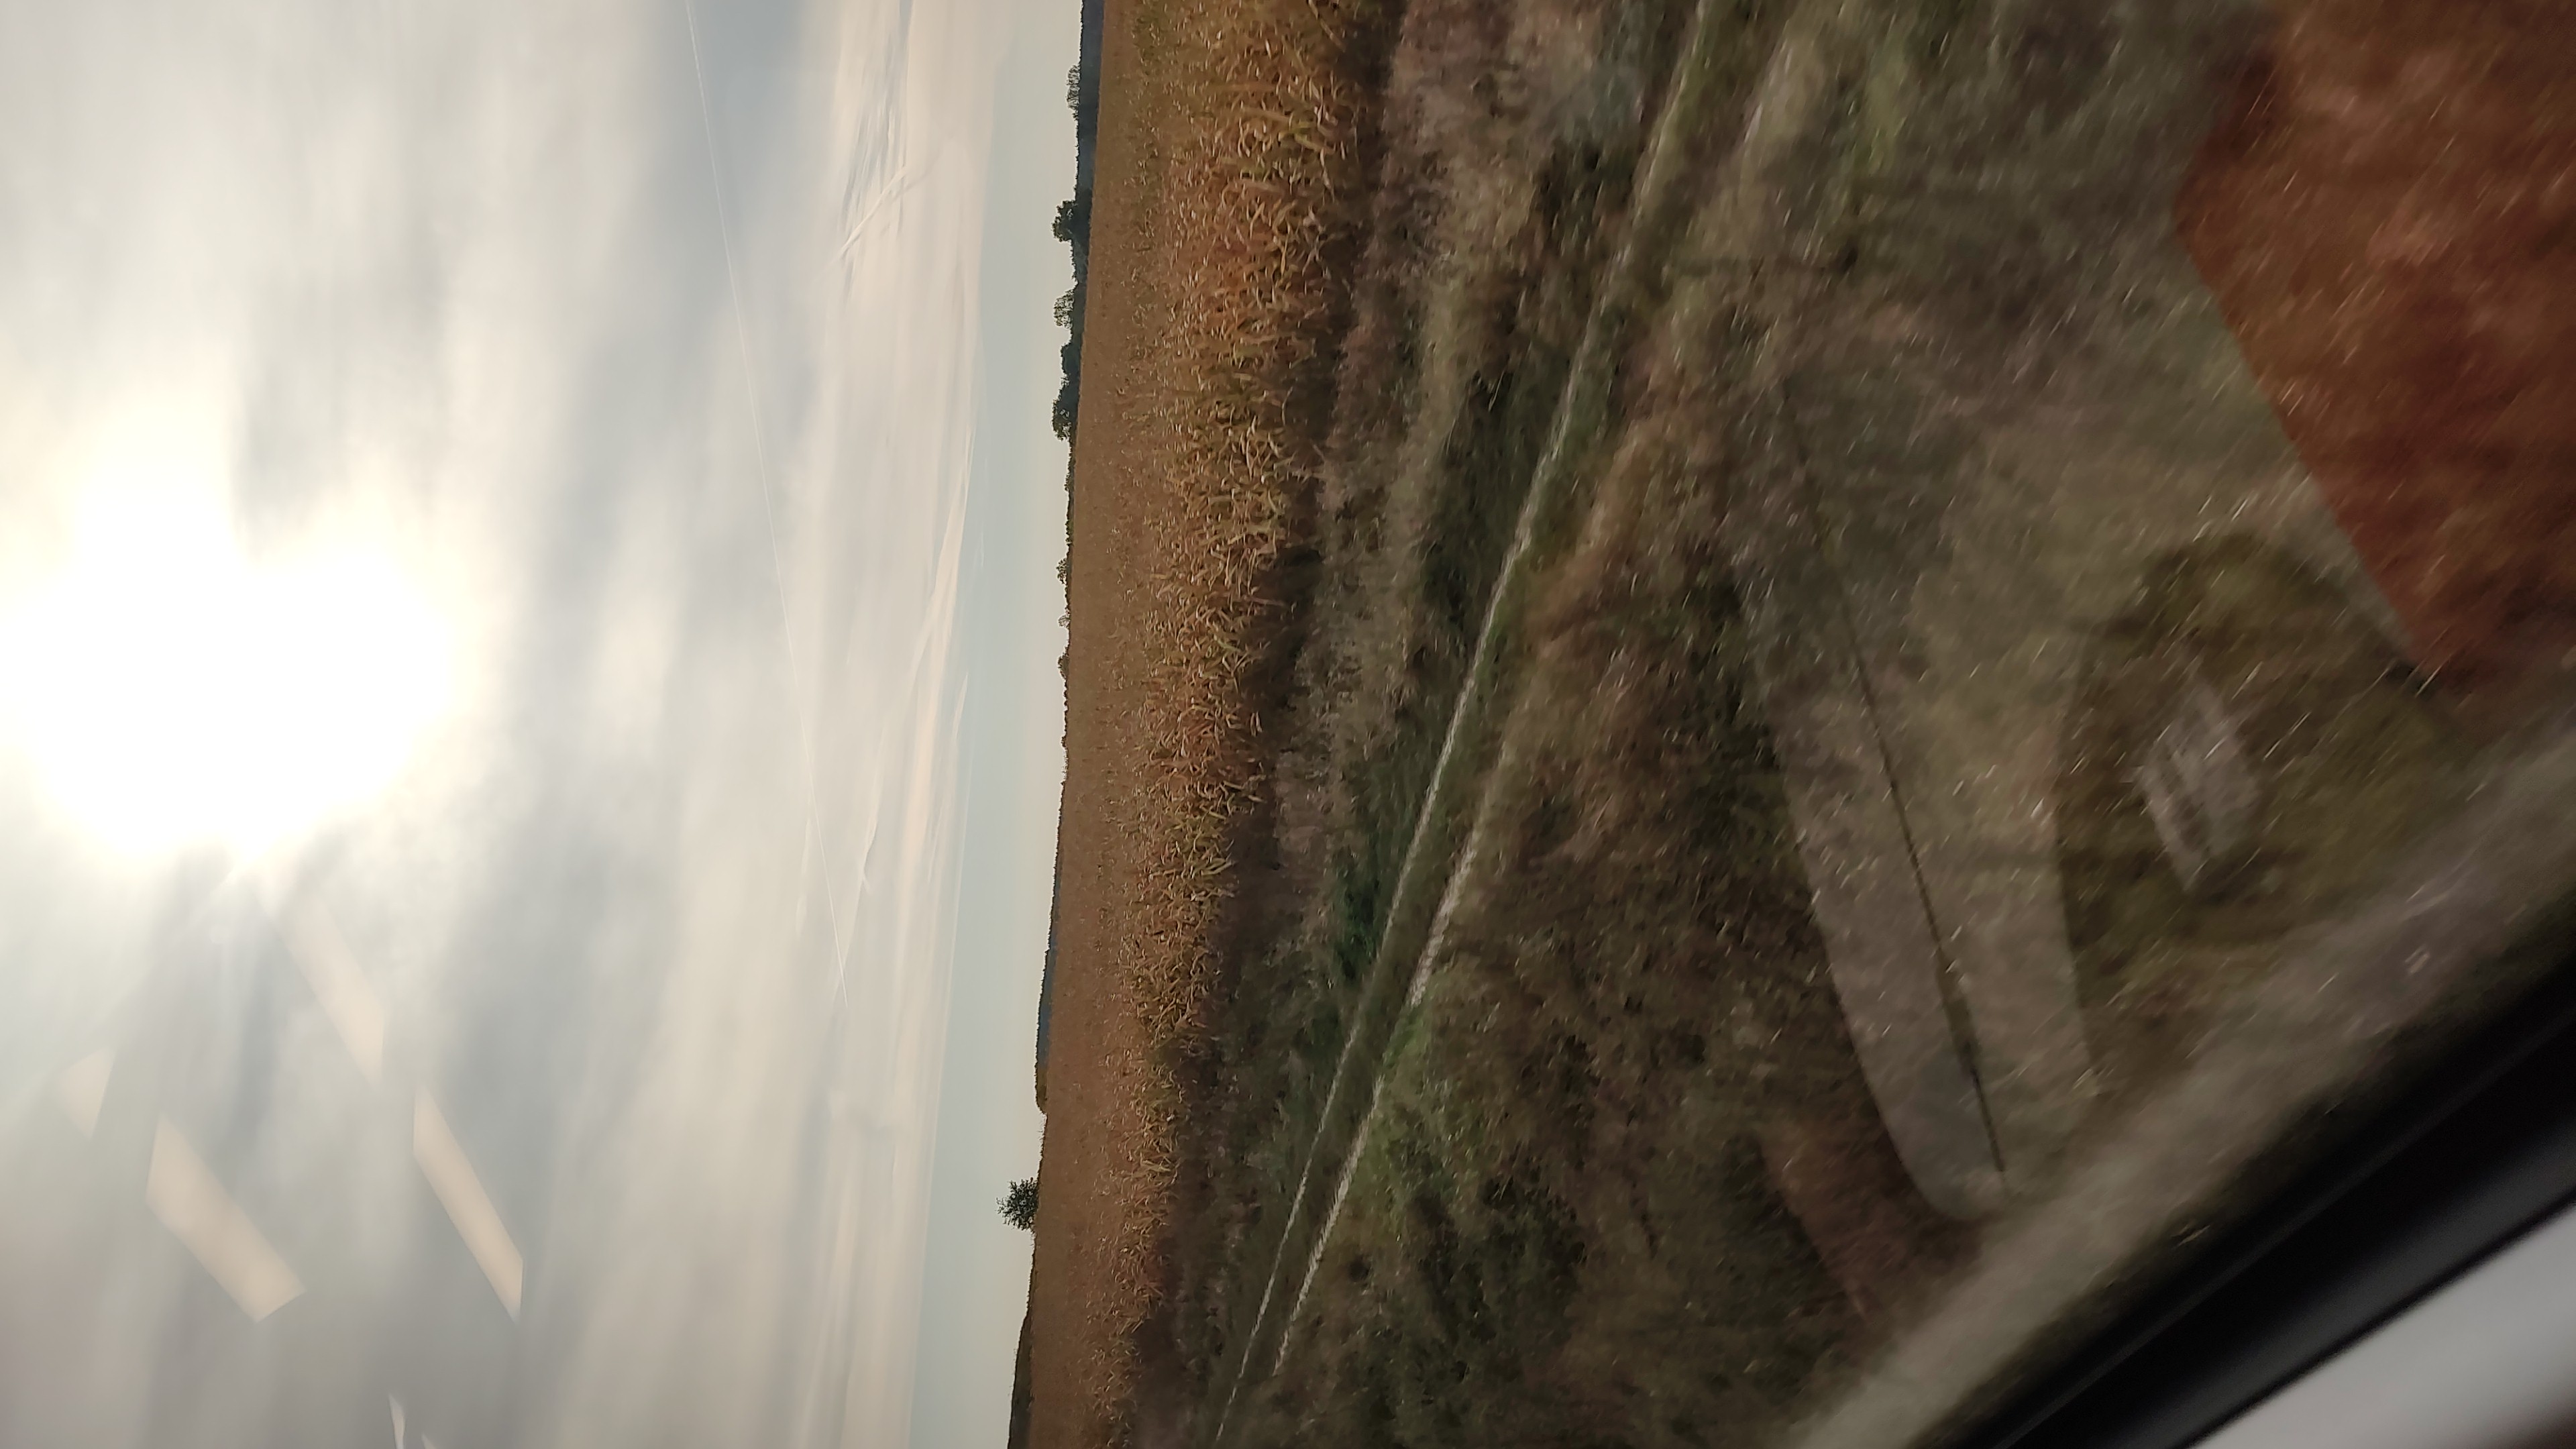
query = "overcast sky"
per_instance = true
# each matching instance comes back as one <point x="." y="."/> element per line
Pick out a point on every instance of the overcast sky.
<point x="699" y="384"/>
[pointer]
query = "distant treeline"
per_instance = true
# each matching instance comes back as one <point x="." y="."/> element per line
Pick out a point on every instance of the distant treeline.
<point x="1073" y="225"/>
<point x="1073" y="217"/>
<point x="1073" y="228"/>
<point x="1046" y="981"/>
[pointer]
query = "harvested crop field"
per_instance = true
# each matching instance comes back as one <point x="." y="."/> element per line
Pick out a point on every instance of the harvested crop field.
<point x="1702" y="744"/>
<point x="1226" y="203"/>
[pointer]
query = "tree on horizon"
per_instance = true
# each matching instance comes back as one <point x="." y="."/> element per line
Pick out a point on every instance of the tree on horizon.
<point x="1020" y="1205"/>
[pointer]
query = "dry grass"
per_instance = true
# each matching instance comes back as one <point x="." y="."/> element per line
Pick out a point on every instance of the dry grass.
<point x="1257" y="199"/>
<point x="1396" y="453"/>
<point x="1510" y="136"/>
<point x="1259" y="109"/>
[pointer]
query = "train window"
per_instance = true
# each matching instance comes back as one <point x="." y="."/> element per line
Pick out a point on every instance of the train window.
<point x="2477" y="1366"/>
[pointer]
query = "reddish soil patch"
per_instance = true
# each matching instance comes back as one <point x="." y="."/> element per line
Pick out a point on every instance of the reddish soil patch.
<point x="2388" y="218"/>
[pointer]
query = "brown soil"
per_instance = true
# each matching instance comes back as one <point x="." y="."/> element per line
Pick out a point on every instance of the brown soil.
<point x="2385" y="217"/>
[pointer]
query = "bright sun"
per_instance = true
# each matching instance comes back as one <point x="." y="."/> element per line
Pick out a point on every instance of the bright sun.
<point x="169" y="693"/>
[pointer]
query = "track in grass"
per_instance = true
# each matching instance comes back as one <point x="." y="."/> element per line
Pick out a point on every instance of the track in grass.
<point x="1434" y="855"/>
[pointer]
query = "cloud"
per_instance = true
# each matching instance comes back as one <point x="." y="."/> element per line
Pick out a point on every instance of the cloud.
<point x="662" y="917"/>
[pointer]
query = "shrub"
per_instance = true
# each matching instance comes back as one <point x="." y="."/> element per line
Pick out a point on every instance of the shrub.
<point x="1020" y="1205"/>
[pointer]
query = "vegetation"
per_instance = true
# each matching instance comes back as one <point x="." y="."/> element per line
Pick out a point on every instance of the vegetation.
<point x="1073" y="216"/>
<point x="1352" y="461"/>
<point x="1072" y="227"/>
<point x="1247" y="210"/>
<point x="1020" y="1205"/>
<point x="1619" y="1181"/>
<point x="1470" y="313"/>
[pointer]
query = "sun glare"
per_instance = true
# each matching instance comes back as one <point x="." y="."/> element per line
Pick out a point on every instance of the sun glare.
<point x="170" y="693"/>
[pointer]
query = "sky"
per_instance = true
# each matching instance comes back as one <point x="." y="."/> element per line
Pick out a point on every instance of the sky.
<point x="529" y="728"/>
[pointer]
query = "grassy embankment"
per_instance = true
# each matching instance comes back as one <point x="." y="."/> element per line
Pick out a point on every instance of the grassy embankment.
<point x="1511" y="154"/>
<point x="1635" y="818"/>
<point x="1492" y="226"/>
